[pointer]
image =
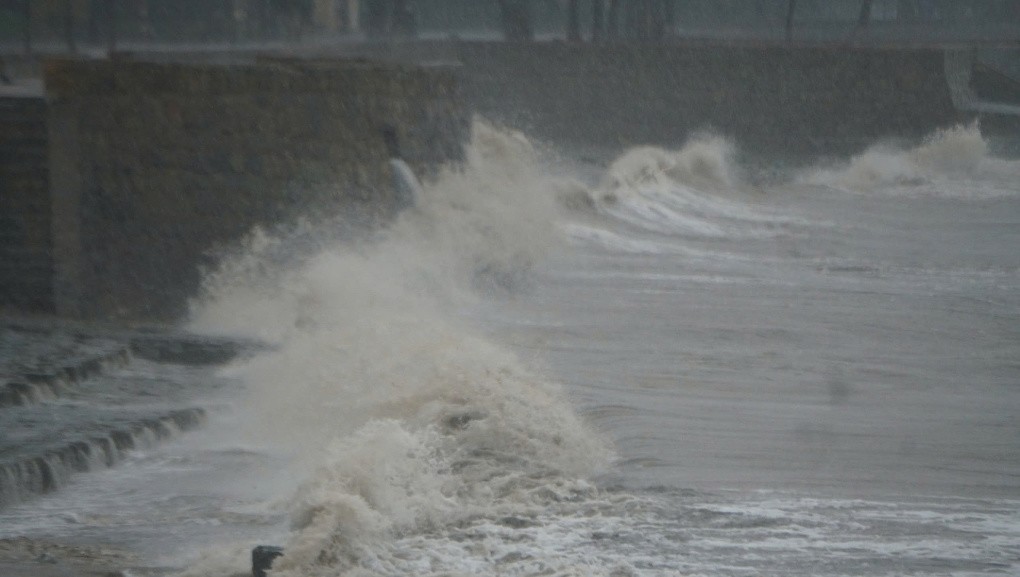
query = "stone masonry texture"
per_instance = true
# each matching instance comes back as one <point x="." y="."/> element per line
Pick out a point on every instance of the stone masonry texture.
<point x="26" y="264"/>
<point x="802" y="99"/>
<point x="155" y="164"/>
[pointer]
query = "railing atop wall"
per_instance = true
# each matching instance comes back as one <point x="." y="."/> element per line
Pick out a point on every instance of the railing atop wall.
<point x="70" y="26"/>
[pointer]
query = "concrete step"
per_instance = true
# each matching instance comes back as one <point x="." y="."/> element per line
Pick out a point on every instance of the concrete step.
<point x="35" y="387"/>
<point x="80" y="446"/>
<point x="75" y="400"/>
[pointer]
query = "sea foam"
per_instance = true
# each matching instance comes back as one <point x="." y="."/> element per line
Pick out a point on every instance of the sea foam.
<point x="399" y="416"/>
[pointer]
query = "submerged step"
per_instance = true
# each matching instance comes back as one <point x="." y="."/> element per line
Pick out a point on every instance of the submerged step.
<point x="24" y="473"/>
<point x="36" y="387"/>
<point x="41" y="363"/>
<point x="189" y="349"/>
<point x="73" y="401"/>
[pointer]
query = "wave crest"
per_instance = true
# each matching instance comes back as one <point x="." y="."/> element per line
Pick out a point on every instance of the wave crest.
<point x="400" y="416"/>
<point x="706" y="162"/>
<point x="944" y="164"/>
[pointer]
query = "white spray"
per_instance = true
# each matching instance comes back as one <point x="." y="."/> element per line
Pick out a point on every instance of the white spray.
<point x="399" y="417"/>
<point x="943" y="165"/>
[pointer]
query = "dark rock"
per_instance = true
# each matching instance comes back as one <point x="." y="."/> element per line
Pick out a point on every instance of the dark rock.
<point x="517" y="522"/>
<point x="262" y="559"/>
<point x="186" y="350"/>
<point x="461" y="420"/>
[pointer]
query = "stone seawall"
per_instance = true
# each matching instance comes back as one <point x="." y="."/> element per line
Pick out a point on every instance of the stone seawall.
<point x="802" y="100"/>
<point x="767" y="97"/>
<point x="154" y="164"/>
<point x="26" y="264"/>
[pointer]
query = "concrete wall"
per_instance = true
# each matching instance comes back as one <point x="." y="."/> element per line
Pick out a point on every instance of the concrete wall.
<point x="26" y="266"/>
<point x="769" y="97"/>
<point x="152" y="165"/>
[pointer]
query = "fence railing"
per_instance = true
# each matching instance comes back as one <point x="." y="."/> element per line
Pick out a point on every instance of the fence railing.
<point x="76" y="25"/>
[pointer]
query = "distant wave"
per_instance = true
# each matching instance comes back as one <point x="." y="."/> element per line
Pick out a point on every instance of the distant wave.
<point x="698" y="191"/>
<point x="944" y="165"/>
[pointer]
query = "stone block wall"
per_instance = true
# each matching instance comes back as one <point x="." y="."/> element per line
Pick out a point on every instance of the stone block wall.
<point x="802" y="99"/>
<point x="26" y="264"/>
<point x="154" y="164"/>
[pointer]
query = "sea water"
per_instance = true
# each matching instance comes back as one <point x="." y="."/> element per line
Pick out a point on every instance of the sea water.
<point x="669" y="363"/>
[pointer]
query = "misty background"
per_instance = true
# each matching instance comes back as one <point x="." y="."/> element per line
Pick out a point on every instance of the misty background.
<point x="59" y="25"/>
